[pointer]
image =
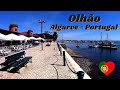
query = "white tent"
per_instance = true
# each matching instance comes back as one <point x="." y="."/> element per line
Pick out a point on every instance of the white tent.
<point x="22" y="37"/>
<point x="2" y="36"/>
<point x="32" y="38"/>
<point x="43" y="39"/>
<point x="12" y="37"/>
<point x="39" y="38"/>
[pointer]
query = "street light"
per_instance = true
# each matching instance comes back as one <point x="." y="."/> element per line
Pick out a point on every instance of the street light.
<point x="41" y="21"/>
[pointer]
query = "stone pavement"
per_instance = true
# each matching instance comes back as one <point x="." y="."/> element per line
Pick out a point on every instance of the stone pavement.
<point x="41" y="67"/>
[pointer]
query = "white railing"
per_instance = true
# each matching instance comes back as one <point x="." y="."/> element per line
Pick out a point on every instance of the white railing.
<point x="76" y="67"/>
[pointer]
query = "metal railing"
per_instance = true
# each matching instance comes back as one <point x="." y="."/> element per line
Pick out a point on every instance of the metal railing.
<point x="78" y="70"/>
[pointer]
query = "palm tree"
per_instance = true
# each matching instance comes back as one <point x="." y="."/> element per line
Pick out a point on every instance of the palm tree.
<point x="29" y="31"/>
<point x="48" y="36"/>
<point x="55" y="36"/>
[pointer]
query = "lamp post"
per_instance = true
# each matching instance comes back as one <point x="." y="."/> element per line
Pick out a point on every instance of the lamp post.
<point x="41" y="22"/>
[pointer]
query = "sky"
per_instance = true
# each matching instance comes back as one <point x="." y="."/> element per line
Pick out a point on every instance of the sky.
<point x="29" y="20"/>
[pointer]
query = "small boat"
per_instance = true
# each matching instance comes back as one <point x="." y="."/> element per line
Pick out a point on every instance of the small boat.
<point x="109" y="47"/>
<point x="93" y="46"/>
<point x="96" y="46"/>
<point x="90" y="46"/>
<point x="77" y="46"/>
<point x="113" y="47"/>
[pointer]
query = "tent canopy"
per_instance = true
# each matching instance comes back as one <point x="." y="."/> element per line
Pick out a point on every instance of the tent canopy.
<point x="2" y="36"/>
<point x="12" y="37"/>
<point x="39" y="38"/>
<point x="32" y="38"/>
<point x="22" y="37"/>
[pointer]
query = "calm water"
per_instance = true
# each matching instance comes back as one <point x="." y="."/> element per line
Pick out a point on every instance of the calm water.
<point x="96" y="55"/>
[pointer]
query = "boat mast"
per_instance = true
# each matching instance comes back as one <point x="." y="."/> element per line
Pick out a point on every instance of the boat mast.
<point x="77" y="43"/>
<point x="101" y="36"/>
<point x="107" y="36"/>
<point x="62" y="38"/>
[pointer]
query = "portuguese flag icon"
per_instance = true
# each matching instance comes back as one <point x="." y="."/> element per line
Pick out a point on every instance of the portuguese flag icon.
<point x="106" y="67"/>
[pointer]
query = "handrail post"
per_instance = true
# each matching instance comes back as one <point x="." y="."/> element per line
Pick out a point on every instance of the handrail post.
<point x="58" y="45"/>
<point x="60" y="51"/>
<point x="64" y="59"/>
<point x="80" y="74"/>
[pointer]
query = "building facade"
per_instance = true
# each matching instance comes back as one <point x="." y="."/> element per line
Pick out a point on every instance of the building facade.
<point x="13" y="28"/>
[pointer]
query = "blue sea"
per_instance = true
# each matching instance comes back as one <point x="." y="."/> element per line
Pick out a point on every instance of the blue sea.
<point x="96" y="55"/>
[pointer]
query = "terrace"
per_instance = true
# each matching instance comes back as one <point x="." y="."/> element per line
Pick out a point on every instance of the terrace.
<point x="46" y="64"/>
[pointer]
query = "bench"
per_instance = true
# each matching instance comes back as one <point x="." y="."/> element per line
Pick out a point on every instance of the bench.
<point x="12" y="58"/>
<point x="14" y="62"/>
<point x="18" y="65"/>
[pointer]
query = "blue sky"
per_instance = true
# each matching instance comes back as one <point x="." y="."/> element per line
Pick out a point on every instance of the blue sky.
<point x="29" y="20"/>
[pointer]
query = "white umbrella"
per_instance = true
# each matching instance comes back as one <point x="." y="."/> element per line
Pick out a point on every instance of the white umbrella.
<point x="22" y="37"/>
<point x="39" y="38"/>
<point x="32" y="38"/>
<point x="2" y="36"/>
<point x="43" y="39"/>
<point x="12" y="37"/>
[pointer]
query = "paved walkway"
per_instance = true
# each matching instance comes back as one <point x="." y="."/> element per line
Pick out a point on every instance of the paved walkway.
<point x="41" y="67"/>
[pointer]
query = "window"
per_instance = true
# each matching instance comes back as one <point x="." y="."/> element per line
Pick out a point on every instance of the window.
<point x="15" y="29"/>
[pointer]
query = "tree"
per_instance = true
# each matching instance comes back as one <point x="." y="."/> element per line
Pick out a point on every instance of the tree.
<point x="29" y="31"/>
<point x="48" y="35"/>
<point x="55" y="36"/>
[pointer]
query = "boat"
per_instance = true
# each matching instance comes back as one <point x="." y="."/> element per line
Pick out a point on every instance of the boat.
<point x="90" y="46"/>
<point x="77" y="45"/>
<point x="107" y="44"/>
<point x="96" y="44"/>
<point x="93" y="46"/>
<point x="113" y="48"/>
<point x="104" y="44"/>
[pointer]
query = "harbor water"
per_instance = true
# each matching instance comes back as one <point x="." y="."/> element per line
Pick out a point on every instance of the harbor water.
<point x="97" y="55"/>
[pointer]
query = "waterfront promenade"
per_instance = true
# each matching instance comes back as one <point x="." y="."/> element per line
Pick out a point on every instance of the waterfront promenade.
<point x="41" y="67"/>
